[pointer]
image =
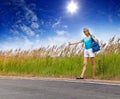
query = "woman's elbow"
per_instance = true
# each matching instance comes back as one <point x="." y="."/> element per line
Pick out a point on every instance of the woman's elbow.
<point x="95" y="40"/>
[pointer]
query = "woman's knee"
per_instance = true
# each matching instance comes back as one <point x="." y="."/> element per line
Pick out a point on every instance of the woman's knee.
<point x="85" y="64"/>
<point x="92" y="61"/>
<point x="93" y="64"/>
<point x="85" y="61"/>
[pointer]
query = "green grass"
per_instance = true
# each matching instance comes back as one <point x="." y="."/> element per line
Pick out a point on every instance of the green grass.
<point x="60" y="66"/>
<point x="108" y="66"/>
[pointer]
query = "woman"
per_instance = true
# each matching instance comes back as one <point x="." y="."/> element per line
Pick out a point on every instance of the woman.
<point x="88" y="53"/>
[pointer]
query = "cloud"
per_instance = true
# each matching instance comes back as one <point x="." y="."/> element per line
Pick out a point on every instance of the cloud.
<point x="65" y="26"/>
<point x="25" y="43"/>
<point x="14" y="31"/>
<point x="15" y="43"/>
<point x="57" y="40"/>
<point x="34" y="25"/>
<point x="59" y="24"/>
<point x="27" y="30"/>
<point x="37" y="35"/>
<point x="56" y="23"/>
<point x="61" y="32"/>
<point x="31" y="17"/>
<point x="27" y="20"/>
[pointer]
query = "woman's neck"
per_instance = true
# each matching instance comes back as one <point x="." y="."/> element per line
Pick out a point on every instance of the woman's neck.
<point x="87" y="35"/>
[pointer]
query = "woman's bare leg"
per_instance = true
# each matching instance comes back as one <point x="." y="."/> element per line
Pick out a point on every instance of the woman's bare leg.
<point x="93" y="66"/>
<point x="84" y="67"/>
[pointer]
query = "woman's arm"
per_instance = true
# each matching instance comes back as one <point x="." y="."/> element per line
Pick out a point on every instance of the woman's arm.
<point x="94" y="39"/>
<point x="75" y="42"/>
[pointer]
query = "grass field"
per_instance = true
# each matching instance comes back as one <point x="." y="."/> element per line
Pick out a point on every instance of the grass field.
<point x="62" y="61"/>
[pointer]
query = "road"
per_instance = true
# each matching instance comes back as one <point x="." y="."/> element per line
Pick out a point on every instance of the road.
<point x="56" y="89"/>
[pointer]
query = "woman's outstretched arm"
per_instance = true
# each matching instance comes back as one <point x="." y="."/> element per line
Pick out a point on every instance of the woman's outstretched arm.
<point x="74" y="43"/>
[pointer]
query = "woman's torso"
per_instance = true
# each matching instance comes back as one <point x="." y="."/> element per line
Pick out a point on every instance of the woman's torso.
<point x="87" y="41"/>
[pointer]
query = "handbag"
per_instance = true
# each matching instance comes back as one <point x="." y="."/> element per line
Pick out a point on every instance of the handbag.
<point x="95" y="46"/>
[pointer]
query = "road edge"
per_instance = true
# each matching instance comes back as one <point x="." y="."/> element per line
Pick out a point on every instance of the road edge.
<point x="92" y="81"/>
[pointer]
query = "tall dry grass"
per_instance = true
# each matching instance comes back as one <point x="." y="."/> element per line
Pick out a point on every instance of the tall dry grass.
<point x="64" y="60"/>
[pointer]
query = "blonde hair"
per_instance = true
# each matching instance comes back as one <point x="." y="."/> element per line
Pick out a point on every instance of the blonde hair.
<point x="86" y="29"/>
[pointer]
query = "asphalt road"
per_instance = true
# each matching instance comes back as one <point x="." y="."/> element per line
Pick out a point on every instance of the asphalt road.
<point x="52" y="89"/>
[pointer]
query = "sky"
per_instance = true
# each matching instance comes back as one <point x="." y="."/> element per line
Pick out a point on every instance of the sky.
<point x="29" y="24"/>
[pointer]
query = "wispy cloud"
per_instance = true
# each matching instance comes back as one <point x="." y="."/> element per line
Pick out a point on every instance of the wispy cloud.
<point x="61" y="32"/>
<point x="34" y="25"/>
<point x="56" y="23"/>
<point x="27" y="30"/>
<point x="14" y="31"/>
<point x="22" y="44"/>
<point x="26" y="16"/>
<point x="63" y="37"/>
<point x="57" y="40"/>
<point x="31" y="17"/>
<point x="65" y="26"/>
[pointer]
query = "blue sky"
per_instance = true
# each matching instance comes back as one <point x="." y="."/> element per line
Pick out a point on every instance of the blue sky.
<point x="34" y="23"/>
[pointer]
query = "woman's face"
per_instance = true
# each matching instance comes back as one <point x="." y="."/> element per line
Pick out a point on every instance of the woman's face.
<point x="86" y="32"/>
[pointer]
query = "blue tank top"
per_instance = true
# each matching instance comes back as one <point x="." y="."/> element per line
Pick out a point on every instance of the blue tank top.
<point x="87" y="42"/>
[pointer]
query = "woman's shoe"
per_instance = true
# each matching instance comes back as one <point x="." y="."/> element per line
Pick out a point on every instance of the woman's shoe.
<point x="79" y="78"/>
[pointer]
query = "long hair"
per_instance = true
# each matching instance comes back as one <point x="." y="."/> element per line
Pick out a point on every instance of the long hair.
<point x="86" y="29"/>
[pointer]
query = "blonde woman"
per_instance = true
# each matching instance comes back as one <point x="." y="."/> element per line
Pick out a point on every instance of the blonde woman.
<point x="88" y="53"/>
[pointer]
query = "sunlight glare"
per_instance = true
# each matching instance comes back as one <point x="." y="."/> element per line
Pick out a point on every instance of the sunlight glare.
<point x="72" y="7"/>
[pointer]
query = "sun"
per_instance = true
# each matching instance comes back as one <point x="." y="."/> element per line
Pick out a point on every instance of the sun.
<point x="72" y="7"/>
